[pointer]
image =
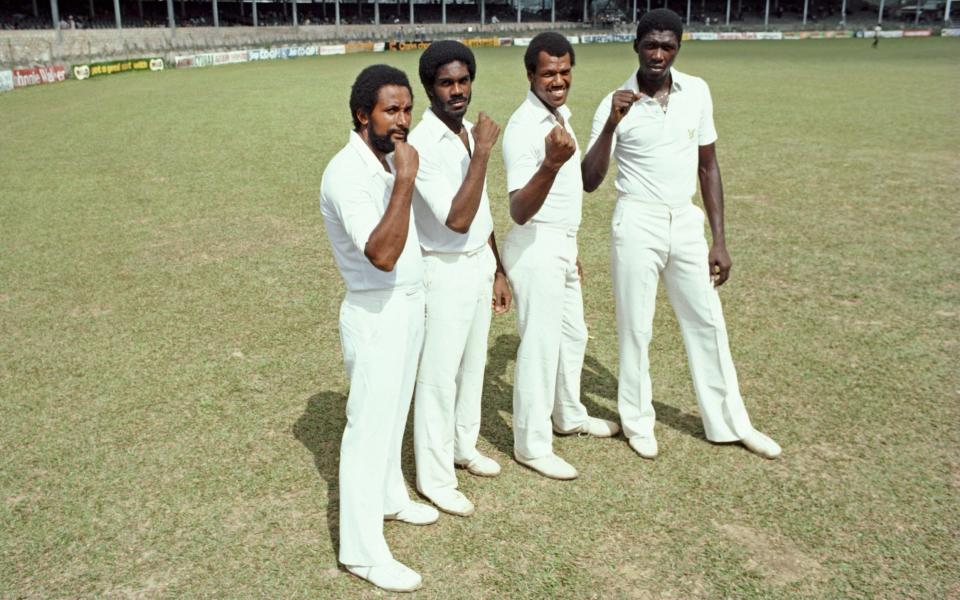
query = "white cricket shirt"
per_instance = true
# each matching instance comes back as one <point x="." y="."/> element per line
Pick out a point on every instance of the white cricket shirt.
<point x="657" y="152"/>
<point x="444" y="161"/>
<point x="524" y="149"/>
<point x="354" y="195"/>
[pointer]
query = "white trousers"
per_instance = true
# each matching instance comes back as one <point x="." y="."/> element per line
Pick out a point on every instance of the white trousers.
<point x="541" y="264"/>
<point x="381" y="333"/>
<point x="654" y="239"/>
<point x="446" y="416"/>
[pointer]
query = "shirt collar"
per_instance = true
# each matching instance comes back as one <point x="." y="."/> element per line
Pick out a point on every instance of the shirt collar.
<point x="437" y="128"/>
<point x="369" y="159"/>
<point x="537" y="106"/>
<point x="676" y="78"/>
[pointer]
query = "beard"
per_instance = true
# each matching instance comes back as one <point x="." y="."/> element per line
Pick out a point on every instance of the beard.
<point x="452" y="114"/>
<point x="383" y="143"/>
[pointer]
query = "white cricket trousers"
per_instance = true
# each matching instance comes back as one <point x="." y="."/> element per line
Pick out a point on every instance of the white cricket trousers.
<point x="381" y="333"/>
<point x="541" y="262"/>
<point x="446" y="415"/>
<point x="651" y="239"/>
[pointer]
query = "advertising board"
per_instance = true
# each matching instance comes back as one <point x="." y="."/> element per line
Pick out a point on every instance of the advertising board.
<point x="112" y="67"/>
<point x="39" y="75"/>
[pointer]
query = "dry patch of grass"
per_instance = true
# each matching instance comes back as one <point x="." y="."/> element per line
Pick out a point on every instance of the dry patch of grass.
<point x="172" y="390"/>
<point x="774" y="557"/>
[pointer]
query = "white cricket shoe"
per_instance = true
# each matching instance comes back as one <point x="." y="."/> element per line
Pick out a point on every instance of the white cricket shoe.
<point x="415" y="514"/>
<point x="392" y="577"/>
<point x="481" y="466"/>
<point x="645" y="446"/>
<point x="453" y="502"/>
<point x="593" y="426"/>
<point x="551" y="466"/>
<point x="761" y="444"/>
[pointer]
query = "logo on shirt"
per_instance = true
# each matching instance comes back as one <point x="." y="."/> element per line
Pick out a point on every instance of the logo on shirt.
<point x="691" y="133"/>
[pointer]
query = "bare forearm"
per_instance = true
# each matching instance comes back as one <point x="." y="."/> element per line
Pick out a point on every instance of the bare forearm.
<point x="466" y="202"/>
<point x="389" y="237"/>
<point x="711" y="188"/>
<point x="597" y="161"/>
<point x="526" y="202"/>
<point x="492" y="242"/>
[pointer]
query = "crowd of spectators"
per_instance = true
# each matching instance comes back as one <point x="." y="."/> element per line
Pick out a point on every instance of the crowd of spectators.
<point x="75" y="14"/>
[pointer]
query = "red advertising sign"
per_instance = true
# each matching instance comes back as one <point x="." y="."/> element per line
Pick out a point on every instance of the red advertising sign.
<point x="39" y="75"/>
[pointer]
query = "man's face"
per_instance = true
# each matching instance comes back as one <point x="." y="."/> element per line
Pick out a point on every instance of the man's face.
<point x="451" y="91"/>
<point x="552" y="79"/>
<point x="389" y="121"/>
<point x="657" y="51"/>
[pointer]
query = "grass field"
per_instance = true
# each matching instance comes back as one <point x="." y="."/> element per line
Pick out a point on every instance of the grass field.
<point x="172" y="391"/>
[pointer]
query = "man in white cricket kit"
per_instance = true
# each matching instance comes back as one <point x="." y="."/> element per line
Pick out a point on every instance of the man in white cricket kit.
<point x="365" y="199"/>
<point x="659" y="127"/>
<point x="540" y="256"/>
<point x="462" y="272"/>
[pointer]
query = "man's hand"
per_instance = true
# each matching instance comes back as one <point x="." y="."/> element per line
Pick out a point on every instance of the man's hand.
<point x="485" y="133"/>
<point x="502" y="297"/>
<point x="560" y="146"/>
<point x="720" y="264"/>
<point x="406" y="161"/>
<point x="620" y="105"/>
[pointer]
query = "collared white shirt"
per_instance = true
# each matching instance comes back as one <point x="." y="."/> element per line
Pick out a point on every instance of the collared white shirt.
<point x="657" y="152"/>
<point x="524" y="149"/>
<point x="354" y="195"/>
<point x="444" y="161"/>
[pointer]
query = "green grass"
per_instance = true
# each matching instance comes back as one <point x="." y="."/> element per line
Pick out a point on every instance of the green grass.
<point x="172" y="391"/>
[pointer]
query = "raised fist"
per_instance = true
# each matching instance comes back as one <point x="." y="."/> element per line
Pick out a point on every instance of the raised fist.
<point x="406" y="161"/>
<point x="485" y="132"/>
<point x="620" y="105"/>
<point x="560" y="146"/>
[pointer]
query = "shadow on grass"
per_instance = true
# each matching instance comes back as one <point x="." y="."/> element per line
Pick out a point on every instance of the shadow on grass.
<point x="498" y="394"/>
<point x="596" y="380"/>
<point x="599" y="381"/>
<point x="319" y="429"/>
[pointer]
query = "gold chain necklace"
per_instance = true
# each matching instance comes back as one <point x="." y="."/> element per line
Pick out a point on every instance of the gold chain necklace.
<point x="663" y="99"/>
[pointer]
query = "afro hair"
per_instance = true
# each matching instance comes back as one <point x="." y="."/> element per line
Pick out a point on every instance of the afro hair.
<point x="550" y="42"/>
<point x="366" y="88"/>
<point x="660" y="19"/>
<point x="443" y="53"/>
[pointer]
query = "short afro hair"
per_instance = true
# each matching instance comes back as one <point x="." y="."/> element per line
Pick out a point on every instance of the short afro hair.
<point x="443" y="53"/>
<point x="550" y="42"/>
<point x="660" y="19"/>
<point x="366" y="88"/>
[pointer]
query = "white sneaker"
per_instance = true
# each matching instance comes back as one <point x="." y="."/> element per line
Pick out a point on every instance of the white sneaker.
<point x="415" y="513"/>
<point x="761" y="444"/>
<point x="393" y="577"/>
<point x="453" y="502"/>
<point x="481" y="466"/>
<point x="645" y="446"/>
<point x="550" y="465"/>
<point x="593" y="426"/>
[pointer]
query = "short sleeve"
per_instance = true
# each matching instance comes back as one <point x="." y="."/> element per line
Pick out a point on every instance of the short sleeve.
<point x="599" y="121"/>
<point x="519" y="156"/>
<point x="434" y="188"/>
<point x="708" y="132"/>
<point x="356" y="208"/>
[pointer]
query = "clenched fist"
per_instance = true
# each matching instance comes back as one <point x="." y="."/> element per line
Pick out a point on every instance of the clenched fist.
<point x="406" y="161"/>
<point x="560" y="146"/>
<point x="485" y="132"/>
<point x="620" y="105"/>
